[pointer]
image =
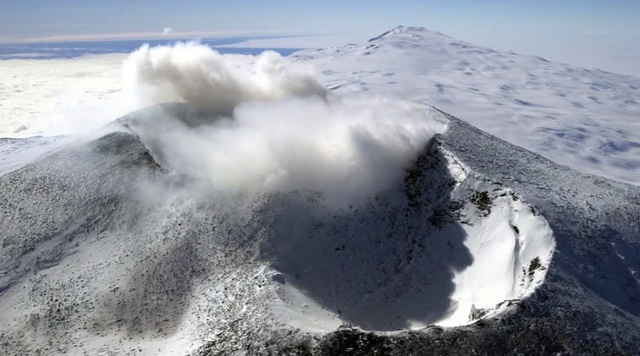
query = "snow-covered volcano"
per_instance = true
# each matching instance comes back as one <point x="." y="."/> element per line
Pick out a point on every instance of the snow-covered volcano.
<point x="267" y="215"/>
<point x="583" y="118"/>
<point x="115" y="248"/>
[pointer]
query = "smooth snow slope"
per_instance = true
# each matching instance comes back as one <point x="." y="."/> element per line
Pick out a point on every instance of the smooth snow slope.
<point x="586" y="119"/>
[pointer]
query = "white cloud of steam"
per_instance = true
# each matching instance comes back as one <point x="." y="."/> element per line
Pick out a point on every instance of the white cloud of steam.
<point x="274" y="128"/>
<point x="167" y="31"/>
<point x="208" y="81"/>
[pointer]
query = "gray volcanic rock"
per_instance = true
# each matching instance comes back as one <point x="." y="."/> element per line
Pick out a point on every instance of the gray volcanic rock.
<point x="54" y="200"/>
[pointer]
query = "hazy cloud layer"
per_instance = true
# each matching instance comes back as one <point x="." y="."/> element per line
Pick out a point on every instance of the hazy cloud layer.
<point x="60" y="96"/>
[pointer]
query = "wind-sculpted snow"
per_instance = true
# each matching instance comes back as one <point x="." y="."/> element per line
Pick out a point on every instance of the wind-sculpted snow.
<point x="593" y="219"/>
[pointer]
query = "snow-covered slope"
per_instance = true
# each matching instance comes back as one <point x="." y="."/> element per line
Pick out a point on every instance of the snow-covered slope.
<point x="16" y="153"/>
<point x="584" y="118"/>
<point x="440" y="246"/>
<point x="104" y="251"/>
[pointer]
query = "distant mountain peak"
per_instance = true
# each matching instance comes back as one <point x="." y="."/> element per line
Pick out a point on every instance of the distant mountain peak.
<point x="402" y="28"/>
<point x="408" y="31"/>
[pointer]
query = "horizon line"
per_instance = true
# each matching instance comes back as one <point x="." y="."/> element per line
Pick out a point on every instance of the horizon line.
<point x="156" y="35"/>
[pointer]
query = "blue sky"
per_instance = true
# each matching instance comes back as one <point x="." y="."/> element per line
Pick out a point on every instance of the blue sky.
<point x="590" y="32"/>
